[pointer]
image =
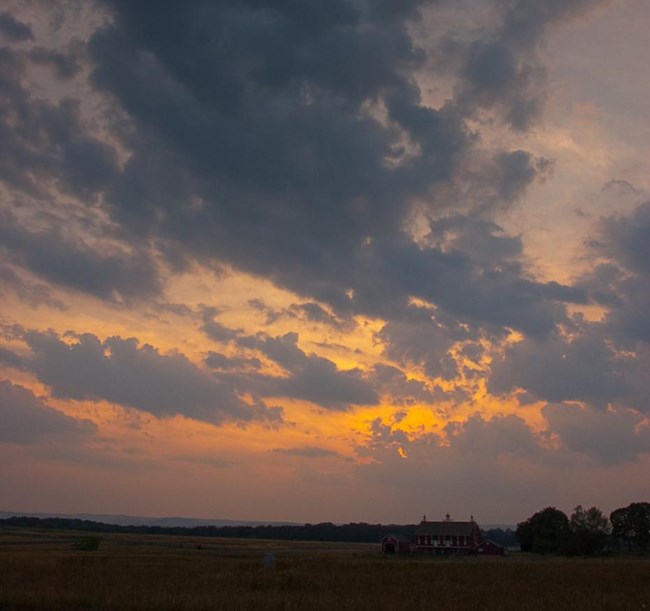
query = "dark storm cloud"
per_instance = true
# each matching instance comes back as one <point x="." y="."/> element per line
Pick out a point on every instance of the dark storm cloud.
<point x="26" y="419"/>
<point x="261" y="112"/>
<point x="287" y="139"/>
<point x="138" y="376"/>
<point x="13" y="30"/>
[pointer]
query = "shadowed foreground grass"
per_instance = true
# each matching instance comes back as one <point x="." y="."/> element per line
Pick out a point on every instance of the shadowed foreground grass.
<point x="41" y="570"/>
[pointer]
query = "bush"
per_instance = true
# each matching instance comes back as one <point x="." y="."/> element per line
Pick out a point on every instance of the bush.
<point x="87" y="544"/>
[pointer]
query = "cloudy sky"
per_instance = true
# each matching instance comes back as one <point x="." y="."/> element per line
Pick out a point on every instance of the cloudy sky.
<point x="354" y="260"/>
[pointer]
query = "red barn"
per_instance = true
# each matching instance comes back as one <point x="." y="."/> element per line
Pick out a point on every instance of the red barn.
<point x="443" y="538"/>
<point x="395" y="544"/>
<point x="447" y="536"/>
<point x="490" y="548"/>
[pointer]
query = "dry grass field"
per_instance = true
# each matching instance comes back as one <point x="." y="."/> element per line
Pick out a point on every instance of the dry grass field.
<point x="41" y="570"/>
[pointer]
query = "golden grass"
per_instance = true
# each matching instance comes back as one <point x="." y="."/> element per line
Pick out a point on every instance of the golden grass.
<point x="40" y="570"/>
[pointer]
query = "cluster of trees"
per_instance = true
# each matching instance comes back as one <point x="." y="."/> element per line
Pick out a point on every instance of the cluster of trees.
<point x="586" y="531"/>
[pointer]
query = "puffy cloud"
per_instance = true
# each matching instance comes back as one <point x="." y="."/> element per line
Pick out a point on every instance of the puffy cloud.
<point x="311" y="377"/>
<point x="121" y="371"/>
<point x="27" y="419"/>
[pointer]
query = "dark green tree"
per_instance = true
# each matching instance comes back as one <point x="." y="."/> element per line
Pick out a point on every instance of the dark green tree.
<point x="632" y="525"/>
<point x="589" y="531"/>
<point x="544" y="532"/>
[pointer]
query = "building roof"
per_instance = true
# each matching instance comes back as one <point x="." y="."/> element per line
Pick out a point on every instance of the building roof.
<point x="447" y="527"/>
<point x="400" y="538"/>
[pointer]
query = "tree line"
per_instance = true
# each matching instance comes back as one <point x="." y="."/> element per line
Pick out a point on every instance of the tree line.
<point x="354" y="532"/>
<point x="586" y="532"/>
<point x="360" y="532"/>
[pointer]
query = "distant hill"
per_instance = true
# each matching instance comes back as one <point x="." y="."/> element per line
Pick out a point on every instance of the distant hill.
<point x="125" y="520"/>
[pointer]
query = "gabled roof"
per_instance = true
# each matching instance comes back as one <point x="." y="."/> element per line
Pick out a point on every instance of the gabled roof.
<point x="447" y="527"/>
<point x="400" y="538"/>
<point x="490" y="542"/>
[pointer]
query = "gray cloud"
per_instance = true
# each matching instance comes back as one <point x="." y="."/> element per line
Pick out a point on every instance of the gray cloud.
<point x="498" y="435"/>
<point x="424" y="343"/>
<point x="276" y="156"/>
<point x="34" y="294"/>
<point x="214" y="329"/>
<point x="306" y="452"/>
<point x="308" y="311"/>
<point x="311" y="377"/>
<point x="598" y="363"/>
<point x="216" y="360"/>
<point x="557" y="369"/>
<point x="392" y="382"/>
<point x="124" y="372"/>
<point x="69" y="261"/>
<point x="13" y="30"/>
<point x="499" y="67"/>
<point x="11" y="359"/>
<point x="48" y="142"/>
<point x="255" y="139"/>
<point x="26" y="419"/>
<point x="609" y="437"/>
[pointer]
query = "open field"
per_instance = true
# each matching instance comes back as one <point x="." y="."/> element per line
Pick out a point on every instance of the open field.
<point x="40" y="570"/>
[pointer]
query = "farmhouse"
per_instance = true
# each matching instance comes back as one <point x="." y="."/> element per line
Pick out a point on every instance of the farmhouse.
<point x="447" y="536"/>
<point x="442" y="538"/>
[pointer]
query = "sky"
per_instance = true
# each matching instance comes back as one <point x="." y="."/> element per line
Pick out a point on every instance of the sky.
<point x="354" y="260"/>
